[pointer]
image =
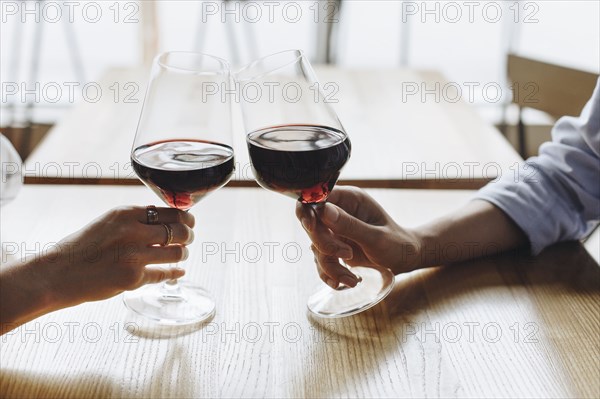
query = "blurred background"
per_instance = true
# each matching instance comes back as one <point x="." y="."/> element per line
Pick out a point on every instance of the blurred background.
<point x="68" y="44"/>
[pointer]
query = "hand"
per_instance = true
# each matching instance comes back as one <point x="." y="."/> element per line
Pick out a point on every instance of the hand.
<point x="111" y="255"/>
<point x="354" y="227"/>
<point x="105" y="258"/>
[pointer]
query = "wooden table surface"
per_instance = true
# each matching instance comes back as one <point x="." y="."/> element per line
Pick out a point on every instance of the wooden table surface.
<point x="399" y="139"/>
<point x="507" y="326"/>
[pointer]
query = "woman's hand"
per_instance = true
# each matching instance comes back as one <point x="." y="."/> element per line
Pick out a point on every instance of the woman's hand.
<point x="106" y="257"/>
<point x="354" y="227"/>
<point x="111" y="254"/>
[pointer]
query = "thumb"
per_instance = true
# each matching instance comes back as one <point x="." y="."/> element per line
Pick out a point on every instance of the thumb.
<point x="348" y="226"/>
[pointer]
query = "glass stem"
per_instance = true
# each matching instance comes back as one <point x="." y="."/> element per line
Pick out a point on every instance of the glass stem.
<point x="171" y="287"/>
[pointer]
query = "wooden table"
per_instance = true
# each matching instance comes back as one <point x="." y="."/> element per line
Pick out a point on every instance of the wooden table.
<point x="401" y="138"/>
<point x="508" y="326"/>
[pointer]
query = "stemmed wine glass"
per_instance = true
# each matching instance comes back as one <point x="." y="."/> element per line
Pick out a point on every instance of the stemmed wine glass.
<point x="298" y="147"/>
<point x="182" y="151"/>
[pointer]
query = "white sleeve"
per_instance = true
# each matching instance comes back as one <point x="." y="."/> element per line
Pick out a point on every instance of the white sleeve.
<point x="556" y="195"/>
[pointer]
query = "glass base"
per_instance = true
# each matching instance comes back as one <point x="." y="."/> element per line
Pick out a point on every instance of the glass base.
<point x="376" y="284"/>
<point x="174" y="305"/>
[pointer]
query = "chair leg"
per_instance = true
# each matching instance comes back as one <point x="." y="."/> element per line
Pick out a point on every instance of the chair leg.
<point x="503" y="126"/>
<point x="325" y="33"/>
<point x="33" y="79"/>
<point x="522" y="139"/>
<point x="74" y="52"/>
<point x="13" y="72"/>
<point x="200" y="35"/>
<point x="405" y="30"/>
<point x="232" y="40"/>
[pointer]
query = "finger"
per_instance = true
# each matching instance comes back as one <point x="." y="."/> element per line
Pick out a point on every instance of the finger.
<point x="358" y="256"/>
<point x="337" y="195"/>
<point x="320" y="235"/>
<point x="160" y="255"/>
<point x="359" y="204"/>
<point x="323" y="272"/>
<point x="322" y="275"/>
<point x="330" y="266"/>
<point x="327" y="243"/>
<point x="153" y="275"/>
<point x="347" y="198"/>
<point x="345" y="225"/>
<point x="166" y="215"/>
<point x="157" y="234"/>
<point x="305" y="214"/>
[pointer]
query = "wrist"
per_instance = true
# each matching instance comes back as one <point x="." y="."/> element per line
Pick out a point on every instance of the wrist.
<point x="426" y="252"/>
<point x="52" y="273"/>
<point x="409" y="249"/>
<point x="45" y="273"/>
<point x="25" y="293"/>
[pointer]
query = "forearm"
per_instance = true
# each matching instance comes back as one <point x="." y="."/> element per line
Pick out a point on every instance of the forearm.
<point x="25" y="293"/>
<point x="478" y="229"/>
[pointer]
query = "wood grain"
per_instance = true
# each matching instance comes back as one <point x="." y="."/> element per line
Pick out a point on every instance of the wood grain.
<point x="396" y="136"/>
<point x="507" y="326"/>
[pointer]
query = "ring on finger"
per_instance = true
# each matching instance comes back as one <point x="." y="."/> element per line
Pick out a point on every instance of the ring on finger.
<point x="151" y="214"/>
<point x="169" y="231"/>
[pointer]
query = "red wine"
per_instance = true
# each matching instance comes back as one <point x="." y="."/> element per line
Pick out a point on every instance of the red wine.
<point x="182" y="172"/>
<point x="301" y="161"/>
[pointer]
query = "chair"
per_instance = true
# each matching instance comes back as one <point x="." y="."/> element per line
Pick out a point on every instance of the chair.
<point x="550" y="88"/>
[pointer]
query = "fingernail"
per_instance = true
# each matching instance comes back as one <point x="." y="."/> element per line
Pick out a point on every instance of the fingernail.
<point x="348" y="280"/>
<point x="186" y="253"/>
<point x="179" y="271"/>
<point x="331" y="283"/>
<point x="331" y="214"/>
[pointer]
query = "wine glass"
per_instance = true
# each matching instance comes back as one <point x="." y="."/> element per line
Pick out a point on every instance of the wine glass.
<point x="298" y="147"/>
<point x="182" y="151"/>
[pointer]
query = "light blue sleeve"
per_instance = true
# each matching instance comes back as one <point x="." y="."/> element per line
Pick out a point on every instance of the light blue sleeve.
<point x="556" y="196"/>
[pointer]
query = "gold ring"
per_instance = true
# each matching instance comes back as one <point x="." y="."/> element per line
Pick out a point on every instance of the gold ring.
<point x="169" y="235"/>
<point x="151" y="214"/>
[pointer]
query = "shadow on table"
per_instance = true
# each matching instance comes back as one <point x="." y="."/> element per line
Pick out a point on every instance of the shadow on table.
<point x="26" y="384"/>
<point x="564" y="272"/>
<point x="23" y="384"/>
